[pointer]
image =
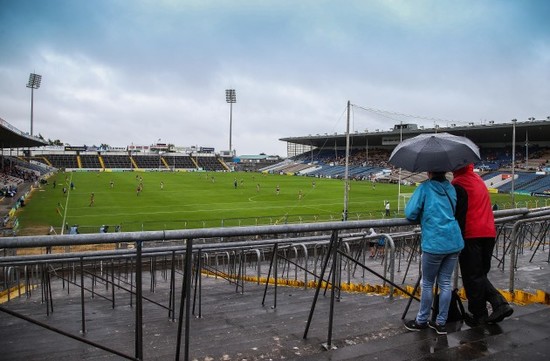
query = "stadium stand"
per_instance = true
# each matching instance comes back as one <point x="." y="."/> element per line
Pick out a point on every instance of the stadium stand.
<point x="325" y="163"/>
<point x="179" y="161"/>
<point x="41" y="168"/>
<point x="210" y="163"/>
<point x="542" y="185"/>
<point x="521" y="184"/>
<point x="62" y="161"/>
<point x="90" y="161"/>
<point x="117" y="161"/>
<point x="296" y="168"/>
<point x="148" y="161"/>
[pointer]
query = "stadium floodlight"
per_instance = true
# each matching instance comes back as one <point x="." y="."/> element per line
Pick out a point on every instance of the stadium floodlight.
<point x="230" y="97"/>
<point x="34" y="83"/>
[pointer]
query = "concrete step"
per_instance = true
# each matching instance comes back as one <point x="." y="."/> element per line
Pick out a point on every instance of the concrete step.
<point x="236" y="326"/>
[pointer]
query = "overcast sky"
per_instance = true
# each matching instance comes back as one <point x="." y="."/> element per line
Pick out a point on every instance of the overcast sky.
<point x="124" y="72"/>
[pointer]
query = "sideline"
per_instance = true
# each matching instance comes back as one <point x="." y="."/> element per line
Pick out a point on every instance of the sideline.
<point x="66" y="204"/>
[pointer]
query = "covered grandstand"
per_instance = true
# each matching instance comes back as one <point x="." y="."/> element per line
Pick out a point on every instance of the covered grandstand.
<point x="324" y="155"/>
<point x="487" y="136"/>
<point x="16" y="175"/>
<point x="11" y="137"/>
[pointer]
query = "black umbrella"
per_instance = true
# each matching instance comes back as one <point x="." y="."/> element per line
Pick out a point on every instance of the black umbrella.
<point x="435" y="152"/>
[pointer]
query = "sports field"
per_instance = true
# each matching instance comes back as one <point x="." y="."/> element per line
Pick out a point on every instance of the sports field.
<point x="198" y="199"/>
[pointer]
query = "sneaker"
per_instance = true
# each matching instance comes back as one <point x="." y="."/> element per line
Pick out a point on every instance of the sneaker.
<point x="412" y="325"/>
<point x="440" y="329"/>
<point x="500" y="313"/>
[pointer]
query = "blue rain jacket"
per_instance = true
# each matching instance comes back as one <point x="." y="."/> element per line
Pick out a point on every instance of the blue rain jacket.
<point x="433" y="204"/>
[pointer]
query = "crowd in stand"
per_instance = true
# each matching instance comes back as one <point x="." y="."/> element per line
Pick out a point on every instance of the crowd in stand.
<point x="10" y="169"/>
<point x="538" y="158"/>
<point x="491" y="160"/>
<point x="376" y="158"/>
<point x="9" y="190"/>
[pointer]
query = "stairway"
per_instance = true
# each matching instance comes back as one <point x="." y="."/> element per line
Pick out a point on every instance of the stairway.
<point x="233" y="325"/>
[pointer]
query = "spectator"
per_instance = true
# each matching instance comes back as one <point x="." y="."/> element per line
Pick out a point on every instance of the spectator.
<point x="433" y="204"/>
<point x="372" y="242"/>
<point x="478" y="228"/>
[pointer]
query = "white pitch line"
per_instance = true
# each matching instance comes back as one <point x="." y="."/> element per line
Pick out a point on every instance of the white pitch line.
<point x="66" y="206"/>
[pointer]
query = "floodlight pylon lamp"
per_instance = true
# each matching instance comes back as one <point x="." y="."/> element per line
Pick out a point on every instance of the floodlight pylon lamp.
<point x="34" y="81"/>
<point x="230" y="96"/>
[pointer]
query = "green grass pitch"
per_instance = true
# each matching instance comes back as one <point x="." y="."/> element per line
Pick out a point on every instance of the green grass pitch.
<point x="198" y="200"/>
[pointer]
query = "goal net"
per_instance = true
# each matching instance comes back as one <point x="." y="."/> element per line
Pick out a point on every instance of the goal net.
<point x="402" y="201"/>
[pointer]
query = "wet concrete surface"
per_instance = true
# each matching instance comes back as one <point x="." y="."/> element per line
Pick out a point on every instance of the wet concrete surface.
<point x="235" y="326"/>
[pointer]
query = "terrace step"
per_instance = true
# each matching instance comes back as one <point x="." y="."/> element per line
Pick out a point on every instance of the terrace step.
<point x="236" y="326"/>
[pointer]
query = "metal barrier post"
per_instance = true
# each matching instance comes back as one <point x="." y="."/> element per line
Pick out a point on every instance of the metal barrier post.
<point x="139" y="305"/>
<point x="83" y="330"/>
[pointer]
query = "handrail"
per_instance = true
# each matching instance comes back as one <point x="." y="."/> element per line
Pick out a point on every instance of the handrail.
<point x="145" y="236"/>
<point x="190" y="241"/>
<point x="513" y="247"/>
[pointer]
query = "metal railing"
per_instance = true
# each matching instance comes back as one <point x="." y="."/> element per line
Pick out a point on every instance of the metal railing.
<point x="311" y="250"/>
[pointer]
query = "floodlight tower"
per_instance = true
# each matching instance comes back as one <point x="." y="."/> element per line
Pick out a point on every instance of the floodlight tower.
<point x="34" y="83"/>
<point x="230" y="97"/>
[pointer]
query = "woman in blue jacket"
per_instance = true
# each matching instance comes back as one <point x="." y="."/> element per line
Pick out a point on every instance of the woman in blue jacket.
<point x="434" y="204"/>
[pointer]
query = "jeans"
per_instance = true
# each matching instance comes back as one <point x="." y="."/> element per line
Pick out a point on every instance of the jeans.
<point x="475" y="263"/>
<point x="440" y="266"/>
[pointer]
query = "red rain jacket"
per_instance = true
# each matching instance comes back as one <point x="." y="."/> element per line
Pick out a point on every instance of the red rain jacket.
<point x="480" y="222"/>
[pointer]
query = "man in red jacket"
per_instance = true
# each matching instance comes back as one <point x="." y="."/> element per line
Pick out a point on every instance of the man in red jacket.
<point x="478" y="231"/>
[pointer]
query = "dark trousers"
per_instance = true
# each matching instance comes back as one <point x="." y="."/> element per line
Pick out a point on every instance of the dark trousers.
<point x="475" y="263"/>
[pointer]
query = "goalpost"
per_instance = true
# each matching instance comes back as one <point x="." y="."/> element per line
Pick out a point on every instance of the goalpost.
<point x="402" y="201"/>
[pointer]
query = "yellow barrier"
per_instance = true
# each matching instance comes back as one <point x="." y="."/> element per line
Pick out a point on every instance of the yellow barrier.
<point x="518" y="297"/>
<point x="13" y="293"/>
